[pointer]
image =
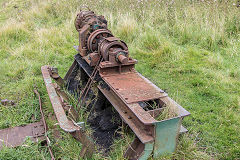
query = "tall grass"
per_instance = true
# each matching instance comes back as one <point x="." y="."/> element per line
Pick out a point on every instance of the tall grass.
<point x="190" y="48"/>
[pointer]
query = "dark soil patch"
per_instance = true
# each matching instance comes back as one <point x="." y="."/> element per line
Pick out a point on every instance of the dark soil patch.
<point x="105" y="122"/>
<point x="103" y="119"/>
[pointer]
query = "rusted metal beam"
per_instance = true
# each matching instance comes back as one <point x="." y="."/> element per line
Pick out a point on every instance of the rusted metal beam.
<point x="66" y="124"/>
<point x="144" y="133"/>
<point x="64" y="98"/>
<point x="54" y="74"/>
<point x="156" y="112"/>
<point x="70" y="70"/>
<point x="138" y="150"/>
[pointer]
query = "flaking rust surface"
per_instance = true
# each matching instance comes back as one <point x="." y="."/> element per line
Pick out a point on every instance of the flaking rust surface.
<point x="132" y="88"/>
<point x="13" y="137"/>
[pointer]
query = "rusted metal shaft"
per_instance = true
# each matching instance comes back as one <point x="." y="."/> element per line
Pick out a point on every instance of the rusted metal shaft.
<point x="123" y="59"/>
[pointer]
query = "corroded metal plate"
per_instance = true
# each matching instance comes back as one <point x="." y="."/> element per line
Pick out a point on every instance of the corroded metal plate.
<point x="133" y="88"/>
<point x="13" y="137"/>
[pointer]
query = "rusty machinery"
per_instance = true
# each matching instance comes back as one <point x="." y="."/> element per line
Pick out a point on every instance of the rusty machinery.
<point x="104" y="60"/>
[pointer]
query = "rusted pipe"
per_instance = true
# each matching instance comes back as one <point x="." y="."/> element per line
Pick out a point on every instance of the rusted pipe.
<point x="44" y="123"/>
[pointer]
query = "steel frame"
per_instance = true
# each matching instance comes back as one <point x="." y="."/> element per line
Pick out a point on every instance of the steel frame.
<point x="67" y="125"/>
<point x="152" y="136"/>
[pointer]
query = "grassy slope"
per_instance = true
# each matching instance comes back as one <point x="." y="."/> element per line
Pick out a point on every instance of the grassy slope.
<point x="190" y="49"/>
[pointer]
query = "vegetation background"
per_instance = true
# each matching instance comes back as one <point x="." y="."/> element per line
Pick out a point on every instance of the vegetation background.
<point x="190" y="48"/>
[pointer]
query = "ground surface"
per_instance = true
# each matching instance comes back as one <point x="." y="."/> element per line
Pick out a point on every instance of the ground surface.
<point x="188" y="48"/>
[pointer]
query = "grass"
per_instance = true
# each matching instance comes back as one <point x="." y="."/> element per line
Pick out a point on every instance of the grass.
<point x="188" y="48"/>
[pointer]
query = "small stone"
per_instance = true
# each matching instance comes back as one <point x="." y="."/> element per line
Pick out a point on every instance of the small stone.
<point x="7" y="102"/>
